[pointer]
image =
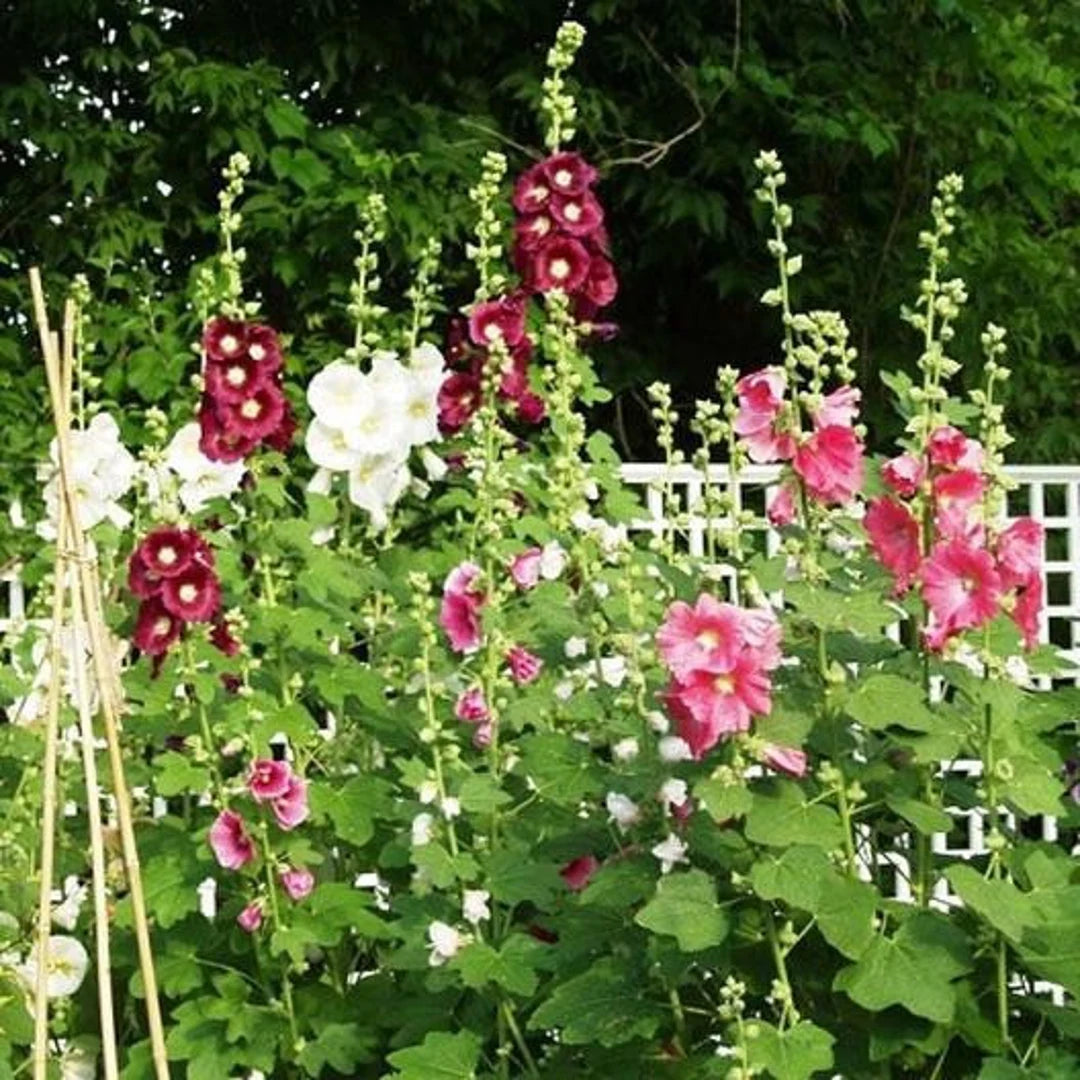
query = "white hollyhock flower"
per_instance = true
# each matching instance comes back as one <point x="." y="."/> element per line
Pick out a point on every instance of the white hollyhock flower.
<point x="623" y="810"/>
<point x="474" y="906"/>
<point x="337" y="393"/>
<point x="673" y="792"/>
<point x="451" y="808"/>
<point x="66" y="913"/>
<point x="427" y="792"/>
<point x="427" y="357"/>
<point x="421" y="405"/>
<point x="329" y="447"/>
<point x="552" y="560"/>
<point x="67" y="963"/>
<point x="673" y="749"/>
<point x="613" y="671"/>
<point x="669" y="852"/>
<point x="321" y="482"/>
<point x="625" y="749"/>
<point x="575" y="647"/>
<point x="422" y="829"/>
<point x="659" y="722"/>
<point x="446" y="942"/>
<point x="79" y="1061"/>
<point x="376" y="484"/>
<point x="434" y="466"/>
<point x="201" y="479"/>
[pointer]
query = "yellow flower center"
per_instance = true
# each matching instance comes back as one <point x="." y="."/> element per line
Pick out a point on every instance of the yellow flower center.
<point x="236" y="376"/>
<point x="724" y="684"/>
<point x="187" y="592"/>
<point x="708" y="639"/>
<point x="250" y="409"/>
<point x="166" y="555"/>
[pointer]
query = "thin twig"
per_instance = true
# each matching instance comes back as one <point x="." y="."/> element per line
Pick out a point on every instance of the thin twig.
<point x="493" y="133"/>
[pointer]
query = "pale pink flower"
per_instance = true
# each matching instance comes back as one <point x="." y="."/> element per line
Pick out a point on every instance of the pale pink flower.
<point x="786" y="759"/>
<point x="838" y="408"/>
<point x="297" y="882"/>
<point x="578" y="872"/>
<point x="894" y="538"/>
<point x="1020" y="552"/>
<point x="461" y="606"/>
<point x="707" y="636"/>
<point x="903" y="474"/>
<point x="482" y="735"/>
<point x="782" y="510"/>
<point x="761" y="394"/>
<point x="470" y="707"/>
<point x="525" y="568"/>
<point x="830" y="463"/>
<point x="268" y="779"/>
<point x="961" y="587"/>
<point x="524" y="665"/>
<point x="229" y="839"/>
<point x="250" y="919"/>
<point x="957" y="499"/>
<point x="761" y="637"/>
<point x="291" y="808"/>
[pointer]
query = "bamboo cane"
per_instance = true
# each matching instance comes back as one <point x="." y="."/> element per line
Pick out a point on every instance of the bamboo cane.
<point x="104" y="671"/>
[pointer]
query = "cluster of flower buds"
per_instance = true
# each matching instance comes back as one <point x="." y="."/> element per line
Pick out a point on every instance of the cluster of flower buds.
<point x="243" y="404"/>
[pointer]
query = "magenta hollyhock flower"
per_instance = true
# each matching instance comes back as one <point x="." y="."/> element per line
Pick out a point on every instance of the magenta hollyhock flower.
<point x="250" y="919"/>
<point x="705" y="637"/>
<point x="482" y="735"/>
<point x="222" y="638"/>
<point x="830" y="463"/>
<point x="232" y="381"/>
<point x="559" y="262"/>
<point x="525" y="667"/>
<point x="761" y="637"/>
<point x="525" y="567"/>
<point x="224" y="339"/>
<point x="578" y="215"/>
<point x="530" y="231"/>
<point x="894" y="538"/>
<point x="268" y="779"/>
<point x="458" y="399"/>
<point x="1019" y="552"/>
<point x="601" y="284"/>
<point x="141" y="581"/>
<point x="470" y="707"/>
<point x="502" y="319"/>
<point x="531" y="408"/>
<point x="568" y="173"/>
<point x="760" y="394"/>
<point x="841" y="407"/>
<point x="264" y="347"/>
<point x="462" y="603"/>
<point x="961" y="587"/>
<point x="166" y="551"/>
<point x="291" y="808"/>
<point x="194" y="595"/>
<point x="578" y="872"/>
<point x="946" y="446"/>
<point x="156" y="628"/>
<point x="514" y="381"/>
<point x="957" y="499"/>
<point x="532" y="190"/>
<point x="1027" y="607"/>
<point x="297" y="882"/>
<point x="233" y="847"/>
<point x="786" y="759"/>
<point x="782" y="510"/>
<point x="903" y="474"/>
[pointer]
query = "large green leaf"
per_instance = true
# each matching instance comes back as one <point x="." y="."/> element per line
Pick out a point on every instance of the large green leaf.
<point x="441" y="1056"/>
<point x="798" y="1053"/>
<point x="685" y="907"/>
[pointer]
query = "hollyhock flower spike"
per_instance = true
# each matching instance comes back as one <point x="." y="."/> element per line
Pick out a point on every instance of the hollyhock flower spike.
<point x="568" y="173"/>
<point x="156" y="628"/>
<point x="194" y="595"/>
<point x="560" y="262"/>
<point x="224" y="340"/>
<point x="166" y="551"/>
<point x="461" y="606"/>
<point x="830" y="463"/>
<point x="498" y="320"/>
<point x="840" y="408"/>
<point x="903" y="474"/>
<point x="894" y="538"/>
<point x="1019" y="552"/>
<point x="269" y="779"/>
<point x="233" y="847"/>
<point x="958" y="499"/>
<point x="291" y="808"/>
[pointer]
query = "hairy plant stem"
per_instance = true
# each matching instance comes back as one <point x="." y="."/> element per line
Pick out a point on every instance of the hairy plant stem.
<point x="788" y="1013"/>
<point x="275" y="918"/>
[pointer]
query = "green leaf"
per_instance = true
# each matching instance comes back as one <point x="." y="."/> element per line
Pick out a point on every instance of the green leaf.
<point x="927" y="819"/>
<point x="845" y="914"/>
<point x="998" y="901"/>
<point x="561" y="768"/>
<point x="861" y="613"/>
<point x="285" y="119"/>
<point x="885" y="700"/>
<point x="685" y="907"/>
<point x="723" y="801"/>
<point x="342" y="1046"/>
<point x="794" y="877"/>
<point x="513" y="878"/>
<point x="784" y="818"/>
<point x="441" y="1056"/>
<point x="796" y="1054"/>
<point x="480" y="794"/>
<point x="480" y="964"/>
<point x="176" y="774"/>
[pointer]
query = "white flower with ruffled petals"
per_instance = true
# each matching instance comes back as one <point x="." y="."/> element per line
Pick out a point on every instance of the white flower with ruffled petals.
<point x="474" y="906"/>
<point x="337" y="393"/>
<point x="66" y="967"/>
<point x="670" y="851"/>
<point x="376" y="484"/>
<point x="446" y="942"/>
<point x="201" y="480"/>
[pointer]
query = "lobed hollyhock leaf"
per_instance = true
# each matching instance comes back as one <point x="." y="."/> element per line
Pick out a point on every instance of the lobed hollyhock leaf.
<point x="845" y="914"/>
<point x="723" y="801"/>
<point x="797" y="1053"/>
<point x="794" y="877"/>
<point x="885" y="700"/>
<point x="481" y="964"/>
<point x="515" y="877"/>
<point x="926" y="818"/>
<point x="562" y="770"/>
<point x="441" y="1056"/>
<point x="783" y="817"/>
<point x="176" y="773"/>
<point x="685" y="906"/>
<point x="619" y="884"/>
<point x="480" y="794"/>
<point x="342" y="1046"/>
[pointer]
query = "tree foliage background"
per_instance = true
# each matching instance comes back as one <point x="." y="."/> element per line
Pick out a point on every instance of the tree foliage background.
<point x="115" y="118"/>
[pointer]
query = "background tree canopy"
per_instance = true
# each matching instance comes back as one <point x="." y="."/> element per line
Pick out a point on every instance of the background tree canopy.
<point x="115" y="118"/>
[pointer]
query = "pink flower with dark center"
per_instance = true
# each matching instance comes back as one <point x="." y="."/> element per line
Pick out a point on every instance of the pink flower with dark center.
<point x="471" y="708"/>
<point x="459" y="398"/>
<point x="578" y="872"/>
<point x="1027" y="607"/>
<point x="257" y="415"/>
<point x="531" y="230"/>
<point x="224" y="339"/>
<point x="894" y="538"/>
<point x="233" y="847"/>
<point x="560" y="262"/>
<point x="156" y="629"/>
<point x="532" y="190"/>
<point x="830" y="463"/>
<point x="297" y="882"/>
<point x="194" y="595"/>
<point x="498" y="320"/>
<point x="840" y="408"/>
<point x="524" y="666"/>
<point x="268" y="779"/>
<point x="782" y="510"/>
<point x="578" y="215"/>
<point x="264" y="348"/>
<point x="568" y="173"/>
<point x="531" y="408"/>
<point x="786" y="759"/>
<point x="462" y="603"/>
<point x="1019" y="552"/>
<point x="961" y="587"/>
<point x="291" y="808"/>
<point x="903" y="474"/>
<point x="525" y="568"/>
<point x="601" y="284"/>
<point x="250" y="919"/>
<point x="705" y="637"/>
<point x="232" y="381"/>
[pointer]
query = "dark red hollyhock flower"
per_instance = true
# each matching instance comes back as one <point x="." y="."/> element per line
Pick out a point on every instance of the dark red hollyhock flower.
<point x="459" y="398"/>
<point x="568" y="173"/>
<point x="264" y="348"/>
<point x="231" y="381"/>
<point x="601" y="284"/>
<point x="221" y="637"/>
<point x="218" y="442"/>
<point x="201" y="552"/>
<point x="531" y="229"/>
<point x="542" y="933"/>
<point x="532" y="190"/>
<point x="531" y="408"/>
<point x="155" y="628"/>
<point x="457" y="348"/>
<point x="141" y="581"/>
<point x="503" y="318"/>
<point x="515" y="372"/>
<point x="578" y="872"/>
<point x="258" y="415"/>
<point x="167" y="551"/>
<point x="560" y="262"/>
<point x="194" y="595"/>
<point x="224" y="339"/>
<point x="281" y="437"/>
<point x="579" y="215"/>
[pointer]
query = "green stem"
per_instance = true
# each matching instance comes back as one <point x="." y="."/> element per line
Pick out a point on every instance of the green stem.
<point x="275" y="918"/>
<point x="1003" y="991"/>
<point x="515" y="1030"/>
<point x="788" y="1012"/>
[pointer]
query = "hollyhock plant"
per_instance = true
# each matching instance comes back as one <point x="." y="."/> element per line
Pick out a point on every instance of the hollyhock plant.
<point x="230" y="841"/>
<point x="193" y="595"/>
<point x="706" y="637"/>
<point x="579" y="872"/>
<point x="251" y="917"/>
<point x="498" y="320"/>
<point x="1019" y="551"/>
<point x="761" y="395"/>
<point x="269" y="779"/>
<point x="559" y="262"/>
<point x="524" y="666"/>
<point x="471" y="708"/>
<point x="291" y="807"/>
<point x="903" y="474"/>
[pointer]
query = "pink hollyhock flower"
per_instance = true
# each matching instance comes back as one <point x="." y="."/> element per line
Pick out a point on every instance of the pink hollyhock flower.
<point x="498" y="320"/>
<point x="830" y="463"/>
<point x="903" y="474"/>
<point x="568" y="173"/>
<point x="234" y="380"/>
<point x="525" y="568"/>
<point x="250" y="919"/>
<point x="761" y="393"/>
<point x="950" y="448"/>
<point x="578" y="215"/>
<point x="1019" y="552"/>
<point x="786" y="759"/>
<point x="532" y="190"/>
<point x="458" y="399"/>
<point x="264" y="347"/>
<point x="524" y="666"/>
<point x="470" y="707"/>
<point x="957" y="496"/>
<point x="530" y="230"/>
<point x="291" y="808"/>
<point x="579" y="872"/>
<point x="601" y="284"/>
<point x="194" y="595"/>
<point x="461" y="606"/>
<point x="531" y="408"/>
<point x="705" y="637"/>
<point x="761" y="637"/>
<point x="257" y="415"/>
<point x="166" y="551"/>
<point x="961" y="587"/>
<point x="894" y="537"/>
<point x="230" y="842"/>
<point x="297" y="882"/>
<point x="224" y="339"/>
<point x="268" y="779"/>
<point x="838" y="408"/>
<point x="1027" y="607"/>
<point x="156" y="629"/>
<point x="560" y="262"/>
<point x="781" y="510"/>
<point x="482" y="735"/>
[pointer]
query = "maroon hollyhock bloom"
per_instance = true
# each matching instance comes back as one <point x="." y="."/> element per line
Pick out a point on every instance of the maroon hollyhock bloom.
<point x="560" y="262"/>
<point x="532" y="229"/>
<point x="578" y="215"/>
<point x="221" y="637"/>
<point x="194" y="595"/>
<point x="258" y="415"/>
<point x="515" y="372"/>
<point x="532" y="190"/>
<point x="601" y="285"/>
<point x="459" y="398"/>
<point x="531" y="408"/>
<point x="568" y="173"/>
<point x="218" y="442"/>
<point x="141" y="581"/>
<point x="224" y="339"/>
<point x="578" y="872"/>
<point x="281" y="437"/>
<point x="155" y="628"/>
<point x="264" y="348"/>
<point x="503" y="318"/>
<point x="166" y="551"/>
<point x="231" y="381"/>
